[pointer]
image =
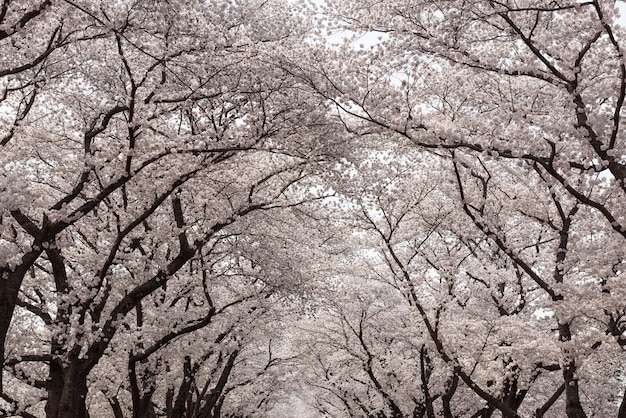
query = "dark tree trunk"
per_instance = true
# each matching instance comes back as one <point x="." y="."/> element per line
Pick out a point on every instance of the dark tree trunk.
<point x="10" y="283"/>
<point x="446" y="398"/>
<point x="573" y="407"/>
<point x="141" y="398"/>
<point x="67" y="392"/>
<point x="213" y="402"/>
<point x="7" y="305"/>
<point x="513" y="397"/>
<point x="184" y="392"/>
<point x="116" y="407"/>
<point x="426" y="370"/>
<point x="622" y="407"/>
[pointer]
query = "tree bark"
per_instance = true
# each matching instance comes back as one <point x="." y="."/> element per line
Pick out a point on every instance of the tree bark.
<point x="8" y="299"/>
<point x="622" y="407"/>
<point x="10" y="283"/>
<point x="446" y="398"/>
<point x="573" y="407"/>
<point x="67" y="391"/>
<point x="116" y="407"/>
<point x="141" y="397"/>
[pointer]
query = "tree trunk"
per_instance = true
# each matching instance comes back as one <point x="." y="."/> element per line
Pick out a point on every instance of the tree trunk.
<point x="116" y="407"/>
<point x="6" y="314"/>
<point x="446" y="399"/>
<point x="512" y="397"/>
<point x="141" y="397"/>
<point x="573" y="407"/>
<point x="622" y="407"/>
<point x="10" y="283"/>
<point x="67" y="392"/>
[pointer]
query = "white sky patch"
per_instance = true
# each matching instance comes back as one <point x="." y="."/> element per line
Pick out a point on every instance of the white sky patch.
<point x="621" y="5"/>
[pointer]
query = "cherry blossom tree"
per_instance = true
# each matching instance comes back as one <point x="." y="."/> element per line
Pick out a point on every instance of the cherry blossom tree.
<point x="164" y="252"/>
<point x="428" y="295"/>
<point x="142" y="143"/>
<point x="521" y="104"/>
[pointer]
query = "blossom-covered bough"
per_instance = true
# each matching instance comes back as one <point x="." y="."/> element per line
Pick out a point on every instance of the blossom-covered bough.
<point x="519" y="107"/>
